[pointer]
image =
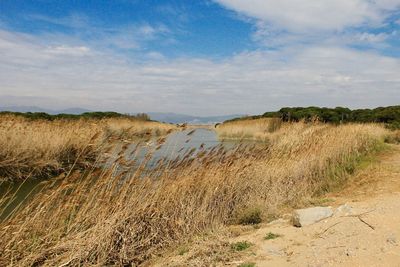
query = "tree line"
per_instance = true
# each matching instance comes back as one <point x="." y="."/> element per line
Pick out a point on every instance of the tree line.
<point x="387" y="115"/>
<point x="86" y="115"/>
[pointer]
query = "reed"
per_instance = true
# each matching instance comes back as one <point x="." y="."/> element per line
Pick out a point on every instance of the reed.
<point x="37" y="148"/>
<point x="256" y="129"/>
<point x="100" y="219"/>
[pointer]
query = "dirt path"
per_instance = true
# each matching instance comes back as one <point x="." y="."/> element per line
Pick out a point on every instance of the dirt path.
<point x="367" y="235"/>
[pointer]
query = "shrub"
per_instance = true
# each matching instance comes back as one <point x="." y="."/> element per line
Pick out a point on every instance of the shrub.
<point x="250" y="216"/>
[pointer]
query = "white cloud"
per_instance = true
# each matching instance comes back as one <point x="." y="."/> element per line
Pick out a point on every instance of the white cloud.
<point x="155" y="55"/>
<point x="251" y="82"/>
<point x="126" y="37"/>
<point x="74" y="20"/>
<point x="370" y="37"/>
<point x="68" y="50"/>
<point x="315" y="15"/>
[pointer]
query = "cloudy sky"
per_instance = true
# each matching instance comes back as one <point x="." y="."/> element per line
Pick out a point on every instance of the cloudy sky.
<point x="199" y="57"/>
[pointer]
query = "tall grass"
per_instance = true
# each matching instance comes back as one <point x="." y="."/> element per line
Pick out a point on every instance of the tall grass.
<point x="102" y="220"/>
<point x="44" y="148"/>
<point x="258" y="129"/>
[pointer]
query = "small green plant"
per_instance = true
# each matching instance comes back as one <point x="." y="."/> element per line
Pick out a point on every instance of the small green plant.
<point x="240" y="246"/>
<point x="250" y="216"/>
<point x="247" y="264"/>
<point x="183" y="250"/>
<point x="271" y="235"/>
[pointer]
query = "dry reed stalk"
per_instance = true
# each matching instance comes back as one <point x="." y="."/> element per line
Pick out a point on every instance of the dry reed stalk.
<point x="258" y="129"/>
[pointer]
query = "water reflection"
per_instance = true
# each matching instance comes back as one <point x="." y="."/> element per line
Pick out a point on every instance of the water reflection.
<point x="176" y="145"/>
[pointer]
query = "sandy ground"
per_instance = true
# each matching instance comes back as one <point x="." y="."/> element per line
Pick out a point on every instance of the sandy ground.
<point x="368" y="234"/>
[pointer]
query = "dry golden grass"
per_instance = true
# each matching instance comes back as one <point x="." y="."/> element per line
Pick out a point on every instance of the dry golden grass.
<point x="44" y="148"/>
<point x="101" y="219"/>
<point x="257" y="129"/>
<point x="394" y="137"/>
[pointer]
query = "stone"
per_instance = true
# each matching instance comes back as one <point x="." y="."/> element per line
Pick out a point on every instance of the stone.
<point x="304" y="217"/>
<point x="344" y="210"/>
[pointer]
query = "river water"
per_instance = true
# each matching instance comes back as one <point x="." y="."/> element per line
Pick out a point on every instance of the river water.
<point x="176" y="145"/>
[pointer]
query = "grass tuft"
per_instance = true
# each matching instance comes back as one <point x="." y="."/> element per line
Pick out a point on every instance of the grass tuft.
<point x="240" y="246"/>
<point x="271" y="236"/>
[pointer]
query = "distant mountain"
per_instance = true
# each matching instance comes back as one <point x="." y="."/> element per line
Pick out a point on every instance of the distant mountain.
<point x="73" y="111"/>
<point x="25" y="109"/>
<point x="48" y="111"/>
<point x="181" y="118"/>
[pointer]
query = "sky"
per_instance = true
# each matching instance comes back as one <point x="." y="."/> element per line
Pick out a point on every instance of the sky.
<point x="199" y="57"/>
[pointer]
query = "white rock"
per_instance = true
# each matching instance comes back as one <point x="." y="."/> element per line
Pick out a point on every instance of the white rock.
<point x="304" y="217"/>
<point x="344" y="210"/>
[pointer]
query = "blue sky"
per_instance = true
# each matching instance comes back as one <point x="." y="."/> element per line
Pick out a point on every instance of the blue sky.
<point x="199" y="57"/>
<point x="180" y="28"/>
